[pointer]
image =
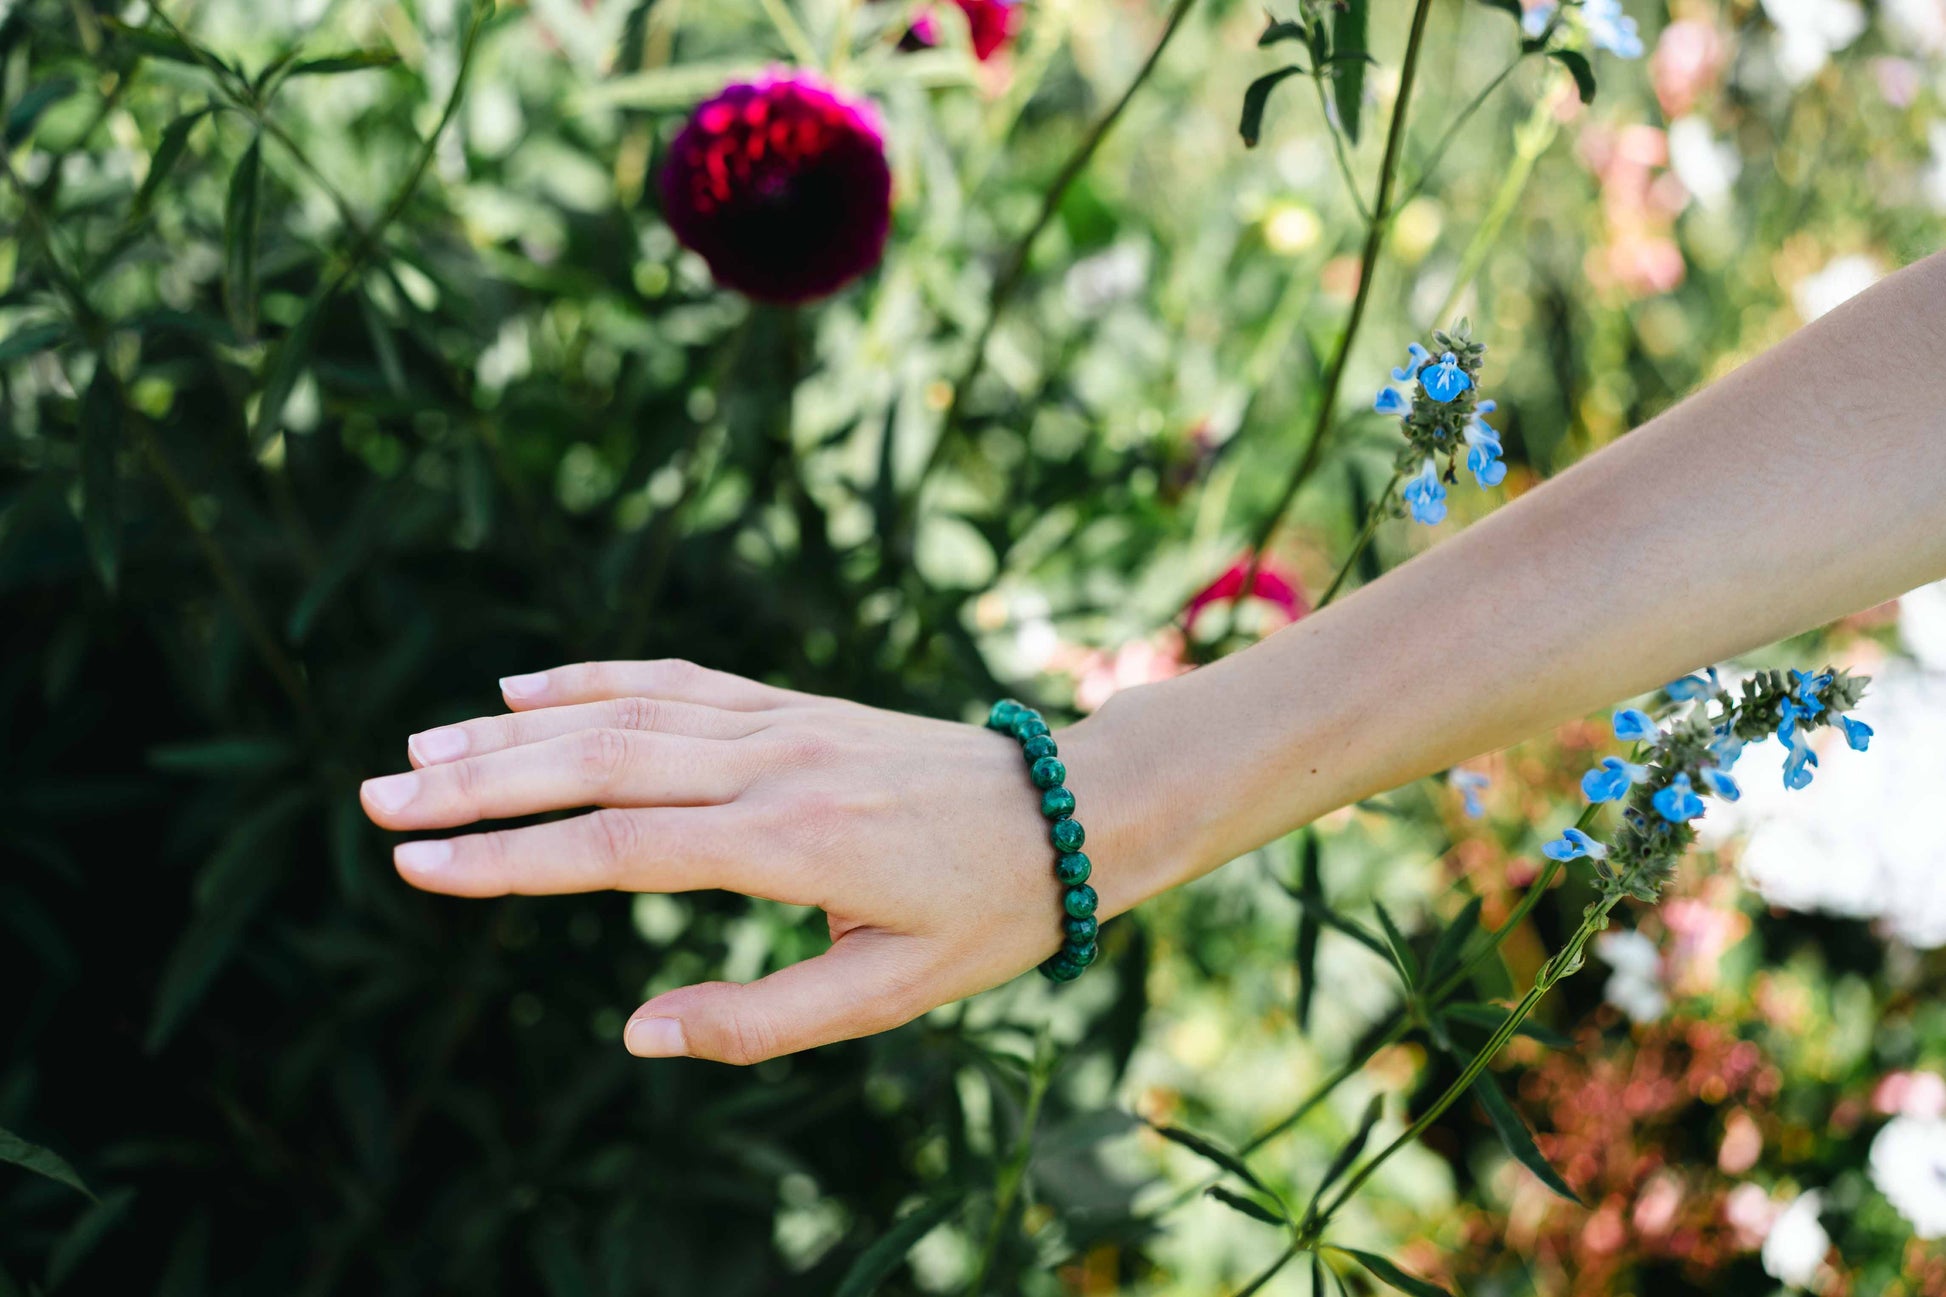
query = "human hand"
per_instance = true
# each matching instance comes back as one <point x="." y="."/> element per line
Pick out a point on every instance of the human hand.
<point x="920" y="839"/>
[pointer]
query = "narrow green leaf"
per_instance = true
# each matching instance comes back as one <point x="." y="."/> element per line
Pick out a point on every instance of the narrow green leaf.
<point x="1270" y="1272"/>
<point x="1509" y="7"/>
<point x="1221" y="1156"/>
<point x="1401" y="952"/>
<point x="1452" y="942"/>
<point x="241" y="214"/>
<point x="1353" y="1147"/>
<point x="41" y="1161"/>
<point x="175" y="137"/>
<point x="1489" y="1017"/>
<point x="1248" y="1206"/>
<point x="281" y="374"/>
<point x="1514" y="1134"/>
<point x="1387" y="1273"/>
<point x="159" y="44"/>
<point x="1256" y="98"/>
<point x="1577" y="65"/>
<point x="1311" y="886"/>
<point x="253" y="755"/>
<point x="350" y="61"/>
<point x="31" y="339"/>
<point x="1348" y="30"/>
<point x="28" y="109"/>
<point x="877" y="1262"/>
<point x="101" y="441"/>
<point x="1284" y="29"/>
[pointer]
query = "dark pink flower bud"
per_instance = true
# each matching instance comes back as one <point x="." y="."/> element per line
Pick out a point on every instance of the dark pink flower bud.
<point x="782" y="186"/>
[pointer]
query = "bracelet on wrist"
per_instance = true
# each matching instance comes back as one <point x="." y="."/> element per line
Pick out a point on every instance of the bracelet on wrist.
<point x="1071" y="867"/>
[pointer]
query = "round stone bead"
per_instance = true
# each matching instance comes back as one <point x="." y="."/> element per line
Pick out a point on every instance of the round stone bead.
<point x="1068" y="835"/>
<point x="1057" y="802"/>
<point x="1028" y="724"/>
<point x="1080" y="901"/>
<point x="1060" y="968"/>
<point x="1081" y="931"/>
<point x="1041" y="745"/>
<point x="1083" y="954"/>
<point x="1072" y="868"/>
<point x="1002" y="716"/>
<point x="1048" y="772"/>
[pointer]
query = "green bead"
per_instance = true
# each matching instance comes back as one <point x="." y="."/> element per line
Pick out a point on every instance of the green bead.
<point x="1041" y="745"/>
<point x="1082" y="954"/>
<point x="1060" y="968"/>
<point x="1056" y="803"/>
<point x="1081" y="931"/>
<point x="1068" y="835"/>
<point x="1072" y="869"/>
<point x="1080" y="901"/>
<point x="1048" y="772"/>
<point x="1027" y="724"/>
<point x="1002" y="716"/>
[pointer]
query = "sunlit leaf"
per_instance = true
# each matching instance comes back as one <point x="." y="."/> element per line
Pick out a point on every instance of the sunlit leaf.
<point x="1391" y="1275"/>
<point x="1348" y="35"/>
<point x="175" y="137"/>
<point x="1248" y="1206"/>
<point x="878" y="1262"/>
<point x="28" y="108"/>
<point x="1214" y="1152"/>
<point x="1514" y="1134"/>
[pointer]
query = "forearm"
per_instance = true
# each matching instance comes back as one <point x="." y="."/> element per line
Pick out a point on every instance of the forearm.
<point x="1808" y="484"/>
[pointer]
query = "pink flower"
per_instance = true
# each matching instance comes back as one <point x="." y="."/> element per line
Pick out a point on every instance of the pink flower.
<point x="1687" y="60"/>
<point x="992" y="24"/>
<point x="1910" y="1094"/>
<point x="1273" y="583"/>
<point x="781" y="185"/>
<point x="1099" y="675"/>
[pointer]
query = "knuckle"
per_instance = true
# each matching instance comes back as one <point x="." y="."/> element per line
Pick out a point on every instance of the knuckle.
<point x="674" y="673"/>
<point x="805" y="748"/>
<point x="601" y="756"/>
<point x="638" y="713"/>
<point x="468" y="779"/>
<point x="616" y="839"/>
<point x="749" y="1037"/>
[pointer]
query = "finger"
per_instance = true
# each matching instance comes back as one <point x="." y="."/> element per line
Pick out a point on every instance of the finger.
<point x="865" y="983"/>
<point x="588" y="768"/>
<point x="669" y="678"/>
<point x="495" y="733"/>
<point x="654" y="849"/>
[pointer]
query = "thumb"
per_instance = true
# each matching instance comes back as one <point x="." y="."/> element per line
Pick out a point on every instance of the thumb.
<point x="863" y="984"/>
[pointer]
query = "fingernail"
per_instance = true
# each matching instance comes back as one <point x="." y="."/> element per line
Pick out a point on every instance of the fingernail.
<point x="422" y="857"/>
<point x="655" y="1038"/>
<point x="434" y="746"/>
<point x="527" y="686"/>
<point x="391" y="793"/>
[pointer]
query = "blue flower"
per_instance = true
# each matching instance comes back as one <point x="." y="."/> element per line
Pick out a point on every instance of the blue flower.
<point x="1416" y="358"/>
<point x="1797" y="766"/>
<point x="1573" y="844"/>
<point x="1726" y="748"/>
<point x="1632" y="725"/>
<point x="1483" y="449"/>
<point x="1610" y="29"/>
<point x="1445" y="380"/>
<point x="1678" y="802"/>
<point x="1609" y="781"/>
<point x="1426" y="496"/>
<point x="1470" y="784"/>
<point x="1390" y="402"/>
<point x="1690" y="688"/>
<point x="1534" y="21"/>
<point x="1720" y="783"/>
<point x="1857" y="733"/>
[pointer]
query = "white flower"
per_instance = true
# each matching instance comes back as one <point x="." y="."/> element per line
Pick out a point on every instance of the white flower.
<point x="1842" y="278"/>
<point x="1636" y="987"/>
<point x="1810" y="31"/>
<point x="1908" y="1166"/>
<point x="1706" y="166"/>
<point x="1923" y="21"/>
<point x="1922" y="624"/>
<point x="1794" y="1249"/>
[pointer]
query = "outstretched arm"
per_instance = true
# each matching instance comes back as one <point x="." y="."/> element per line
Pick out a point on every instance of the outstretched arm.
<point x="1804" y="486"/>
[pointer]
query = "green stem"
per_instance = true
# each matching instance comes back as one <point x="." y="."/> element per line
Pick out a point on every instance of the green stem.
<point x="1374" y="240"/>
<point x="1452" y="131"/>
<point x="792" y="33"/>
<point x="1375" y="515"/>
<point x="1338" y="149"/>
<point x="1530" y="141"/>
<point x="1014" y="1170"/>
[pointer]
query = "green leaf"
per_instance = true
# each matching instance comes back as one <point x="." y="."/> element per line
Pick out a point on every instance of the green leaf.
<point x="1221" y="1156"/>
<point x="1387" y="1273"/>
<point x="1310" y="885"/>
<point x="1337" y="922"/>
<point x="1509" y="7"/>
<point x="1515" y="1135"/>
<point x="1248" y="1206"/>
<point x="877" y="1262"/>
<point x="1577" y="65"/>
<point x="101" y="441"/>
<point x="1353" y="1147"/>
<point x="1348" y="84"/>
<point x="161" y="44"/>
<point x="1256" y="98"/>
<point x="1401" y="952"/>
<point x="28" y="109"/>
<point x="1489" y="1017"/>
<point x="175" y="137"/>
<point x="228" y="756"/>
<point x="31" y="339"/>
<point x="1270" y="1272"/>
<point x="241" y="214"/>
<point x="281" y="374"/>
<point x="41" y="1161"/>
<point x="350" y="61"/>
<point x="1446" y="951"/>
<point x="1285" y="29"/>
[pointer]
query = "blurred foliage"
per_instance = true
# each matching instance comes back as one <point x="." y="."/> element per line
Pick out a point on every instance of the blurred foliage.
<point x="347" y="367"/>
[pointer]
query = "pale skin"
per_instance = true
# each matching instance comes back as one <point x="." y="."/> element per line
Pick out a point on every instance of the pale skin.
<point x="1809" y="484"/>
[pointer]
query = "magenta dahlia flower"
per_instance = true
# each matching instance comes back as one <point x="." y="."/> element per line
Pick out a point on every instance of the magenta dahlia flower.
<point x="992" y="24"/>
<point x="781" y="185"/>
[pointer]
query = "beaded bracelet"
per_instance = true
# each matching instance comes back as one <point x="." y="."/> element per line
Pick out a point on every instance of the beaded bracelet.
<point x="1071" y="867"/>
